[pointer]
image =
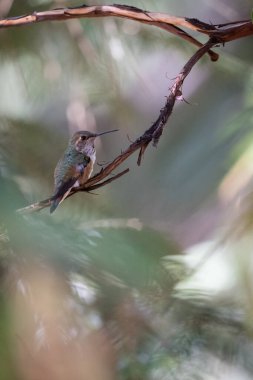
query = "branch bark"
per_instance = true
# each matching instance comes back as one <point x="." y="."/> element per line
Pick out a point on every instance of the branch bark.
<point x="222" y="32"/>
<point x="164" y="21"/>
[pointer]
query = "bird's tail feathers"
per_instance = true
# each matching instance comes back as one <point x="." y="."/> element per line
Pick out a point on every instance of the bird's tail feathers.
<point x="57" y="199"/>
<point x="54" y="204"/>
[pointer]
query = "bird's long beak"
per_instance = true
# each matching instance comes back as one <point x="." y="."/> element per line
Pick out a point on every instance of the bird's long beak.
<point x="103" y="133"/>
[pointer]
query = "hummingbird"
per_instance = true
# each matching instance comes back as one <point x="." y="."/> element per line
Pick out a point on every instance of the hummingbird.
<point x="75" y="166"/>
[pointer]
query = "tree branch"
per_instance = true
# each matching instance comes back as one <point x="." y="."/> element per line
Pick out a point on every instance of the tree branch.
<point x="221" y="32"/>
<point x="161" y="20"/>
<point x="152" y="134"/>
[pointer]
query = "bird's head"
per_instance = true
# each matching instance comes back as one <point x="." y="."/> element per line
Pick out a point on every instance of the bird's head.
<point x="83" y="141"/>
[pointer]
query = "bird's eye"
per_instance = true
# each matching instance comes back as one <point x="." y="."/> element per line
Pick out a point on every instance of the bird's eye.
<point x="83" y="138"/>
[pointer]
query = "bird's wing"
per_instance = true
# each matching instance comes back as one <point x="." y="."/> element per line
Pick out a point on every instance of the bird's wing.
<point x="65" y="185"/>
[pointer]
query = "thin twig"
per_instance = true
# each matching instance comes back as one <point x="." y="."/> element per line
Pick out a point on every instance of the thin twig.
<point x="100" y="184"/>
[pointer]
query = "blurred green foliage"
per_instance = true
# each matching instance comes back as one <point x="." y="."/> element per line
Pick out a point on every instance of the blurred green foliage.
<point x="137" y="278"/>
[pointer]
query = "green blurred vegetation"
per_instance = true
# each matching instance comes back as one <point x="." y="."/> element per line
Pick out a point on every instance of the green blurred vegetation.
<point x="137" y="281"/>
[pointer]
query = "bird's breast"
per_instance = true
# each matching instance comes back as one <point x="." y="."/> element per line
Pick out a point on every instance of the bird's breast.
<point x="88" y="170"/>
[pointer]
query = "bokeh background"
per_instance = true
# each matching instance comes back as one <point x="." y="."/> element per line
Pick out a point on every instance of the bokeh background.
<point x="151" y="277"/>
